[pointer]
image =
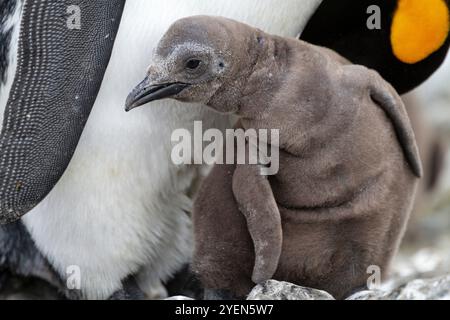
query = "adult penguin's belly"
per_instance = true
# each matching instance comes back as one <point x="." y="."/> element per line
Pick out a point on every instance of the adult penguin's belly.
<point x="121" y="204"/>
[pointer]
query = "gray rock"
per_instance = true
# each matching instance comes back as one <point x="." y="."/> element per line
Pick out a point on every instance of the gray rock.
<point x="434" y="289"/>
<point x="179" y="298"/>
<point x="421" y="289"/>
<point x="369" y="295"/>
<point x="275" y="290"/>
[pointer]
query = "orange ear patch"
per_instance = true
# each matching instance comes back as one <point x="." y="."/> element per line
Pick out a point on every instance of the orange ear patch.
<point x="419" y="28"/>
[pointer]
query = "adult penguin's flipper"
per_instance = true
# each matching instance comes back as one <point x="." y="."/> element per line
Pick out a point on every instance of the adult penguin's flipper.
<point x="64" y="49"/>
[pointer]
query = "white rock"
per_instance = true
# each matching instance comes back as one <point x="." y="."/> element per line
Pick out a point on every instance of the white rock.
<point x="179" y="298"/>
<point x="275" y="290"/>
<point x="368" y="295"/>
<point x="434" y="289"/>
<point x="421" y="289"/>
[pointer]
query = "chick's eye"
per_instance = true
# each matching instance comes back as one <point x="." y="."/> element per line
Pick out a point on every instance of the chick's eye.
<point x="193" y="64"/>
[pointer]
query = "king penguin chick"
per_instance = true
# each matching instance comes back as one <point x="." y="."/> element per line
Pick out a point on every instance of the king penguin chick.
<point x="348" y="160"/>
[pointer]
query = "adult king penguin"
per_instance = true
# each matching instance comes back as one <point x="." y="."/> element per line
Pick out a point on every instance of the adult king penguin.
<point x="98" y="186"/>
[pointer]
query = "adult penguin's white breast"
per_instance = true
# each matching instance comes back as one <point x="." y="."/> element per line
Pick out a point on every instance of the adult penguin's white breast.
<point x="121" y="205"/>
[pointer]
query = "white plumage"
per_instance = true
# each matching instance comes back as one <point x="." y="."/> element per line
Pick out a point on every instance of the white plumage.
<point x="120" y="206"/>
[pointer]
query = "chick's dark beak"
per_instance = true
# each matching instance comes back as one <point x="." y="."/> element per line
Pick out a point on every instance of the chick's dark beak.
<point x="146" y="92"/>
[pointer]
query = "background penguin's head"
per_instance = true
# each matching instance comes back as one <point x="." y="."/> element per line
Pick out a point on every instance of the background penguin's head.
<point x="404" y="40"/>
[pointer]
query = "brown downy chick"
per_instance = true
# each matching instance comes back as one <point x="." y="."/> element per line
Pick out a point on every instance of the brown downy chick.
<point x="349" y="164"/>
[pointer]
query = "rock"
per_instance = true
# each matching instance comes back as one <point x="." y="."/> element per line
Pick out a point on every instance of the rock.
<point x="368" y="295"/>
<point x="179" y="298"/>
<point x="430" y="289"/>
<point x="434" y="289"/>
<point x="420" y="289"/>
<point x="275" y="290"/>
